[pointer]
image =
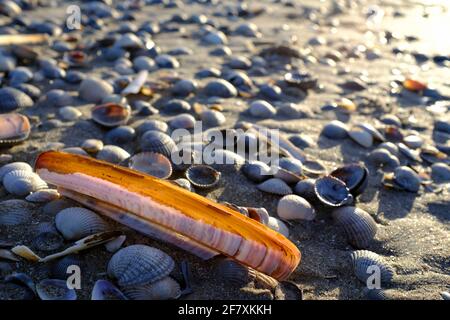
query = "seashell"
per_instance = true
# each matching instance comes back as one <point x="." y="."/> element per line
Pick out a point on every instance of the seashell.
<point x="239" y="79"/>
<point x="262" y="109"/>
<point x="115" y="244"/>
<point x="55" y="289"/>
<point x="8" y="255"/>
<point x="291" y="164"/>
<point x="14" y="128"/>
<point x="285" y="175"/>
<point x="414" y="85"/>
<point x="92" y="145"/>
<point x="391" y="119"/>
<point x="413" y="141"/>
<point x="362" y="137"/>
<point x="248" y="29"/>
<point x="443" y="126"/>
<point x="208" y="73"/>
<point x="275" y="186"/>
<point x="278" y="226"/>
<point x="184" y="87"/>
<point x="19" y="75"/>
<point x="230" y="271"/>
<point x="259" y="214"/>
<point x="407" y="179"/>
<point x="257" y="171"/>
<point x="105" y="290"/>
<point x="355" y="176"/>
<point x="75" y="223"/>
<point x="202" y="176"/>
<point x="313" y="167"/>
<point x="389" y="146"/>
<point x="358" y="225"/>
<point x="7" y="63"/>
<point x="183" y="183"/>
<point x="239" y="62"/>
<point x="377" y="294"/>
<point x="332" y="191"/>
<point x="58" y="98"/>
<point x="177" y="106"/>
<point x="212" y="118"/>
<point x="271" y="92"/>
<point x="302" y="141"/>
<point x="215" y="37"/>
<point x="335" y="130"/>
<point x="377" y="135"/>
<point x="43" y="195"/>
<point x="411" y="154"/>
<point x="382" y="157"/>
<point x="12" y="99"/>
<point x="154" y="164"/>
<point x="111" y="114"/>
<point x="305" y="189"/>
<point x="182" y="121"/>
<point x="113" y="154"/>
<point x="32" y="91"/>
<point x="173" y="221"/>
<point x="445" y="295"/>
<point x="164" y="289"/>
<point x="75" y="150"/>
<point x="156" y="141"/>
<point x="94" y="90"/>
<point x="69" y="113"/>
<point x="60" y="269"/>
<point x="15" y="212"/>
<point x="220" y="88"/>
<point x="22" y="182"/>
<point x="302" y="80"/>
<point x="144" y="63"/>
<point x="48" y="241"/>
<point x="24" y="53"/>
<point x="18" y="286"/>
<point x="440" y="171"/>
<point x="155" y="125"/>
<point x="138" y="265"/>
<point x="293" y="207"/>
<point x="364" y="260"/>
<point x="120" y="135"/>
<point x="166" y="61"/>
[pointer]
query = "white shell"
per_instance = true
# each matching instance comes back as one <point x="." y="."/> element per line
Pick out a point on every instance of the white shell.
<point x="7" y="168"/>
<point x="75" y="223"/>
<point x="182" y="121"/>
<point x="23" y="182"/>
<point x="94" y="90"/>
<point x="139" y="265"/>
<point x="275" y="186"/>
<point x="43" y="195"/>
<point x="293" y="207"/>
<point x="278" y="226"/>
<point x="262" y="109"/>
<point x="113" y="154"/>
<point x="164" y="289"/>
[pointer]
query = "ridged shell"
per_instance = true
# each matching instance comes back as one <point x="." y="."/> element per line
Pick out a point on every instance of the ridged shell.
<point x="59" y="268"/>
<point x="363" y="259"/>
<point x="111" y="114"/>
<point x="156" y="141"/>
<point x="148" y="125"/>
<point x="230" y="271"/>
<point x="22" y="182"/>
<point x="152" y="163"/>
<point x="354" y="175"/>
<point x="164" y="289"/>
<point x="55" y="289"/>
<point x="377" y="294"/>
<point x="76" y="223"/>
<point x="202" y="176"/>
<point x="275" y="186"/>
<point x="293" y="207"/>
<point x="138" y="265"/>
<point x="14" y="166"/>
<point x="105" y="290"/>
<point x="14" y="128"/>
<point x="332" y="191"/>
<point x="358" y="225"/>
<point x="12" y="99"/>
<point x="43" y="195"/>
<point x="113" y="154"/>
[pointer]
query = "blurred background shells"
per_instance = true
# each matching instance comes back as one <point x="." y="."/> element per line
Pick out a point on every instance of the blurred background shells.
<point x="94" y="89"/>
<point x="152" y="163"/>
<point x="110" y="114"/>
<point x="12" y="99"/>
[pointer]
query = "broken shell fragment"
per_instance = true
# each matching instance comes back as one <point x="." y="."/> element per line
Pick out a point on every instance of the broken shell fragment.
<point x="414" y="85"/>
<point x="114" y="191"/>
<point x="14" y="128"/>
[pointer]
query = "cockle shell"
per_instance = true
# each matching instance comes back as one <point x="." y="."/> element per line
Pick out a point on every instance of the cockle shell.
<point x="164" y="289"/>
<point x="358" y="225"/>
<point x="60" y="268"/>
<point x="275" y="186"/>
<point x="146" y="203"/>
<point x="14" y="212"/>
<point x="332" y="191"/>
<point x="105" y="290"/>
<point x="113" y="154"/>
<point x="55" y="289"/>
<point x="202" y="176"/>
<point x="354" y="175"/>
<point x="152" y="163"/>
<point x="22" y="182"/>
<point x="43" y="195"/>
<point x="14" y="128"/>
<point x="76" y="223"/>
<point x="156" y="141"/>
<point x="293" y="207"/>
<point x="364" y="262"/>
<point x="138" y="265"/>
<point x="7" y="168"/>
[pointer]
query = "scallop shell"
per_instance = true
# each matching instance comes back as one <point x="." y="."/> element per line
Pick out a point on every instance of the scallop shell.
<point x="43" y="195"/>
<point x="152" y="163"/>
<point x="358" y="225"/>
<point x="275" y="186"/>
<point x="113" y="154"/>
<point x="75" y="223"/>
<point x="230" y="271"/>
<point x="111" y="114"/>
<point x="14" y="212"/>
<point x="156" y="141"/>
<point x="55" y="289"/>
<point x="293" y="207"/>
<point x="362" y="260"/>
<point x="203" y="176"/>
<point x="12" y="99"/>
<point x="139" y="265"/>
<point x="257" y="171"/>
<point x="105" y="290"/>
<point x="332" y="191"/>
<point x="14" y="128"/>
<point x="164" y="289"/>
<point x="7" y="168"/>
<point x="23" y="182"/>
<point x="354" y="175"/>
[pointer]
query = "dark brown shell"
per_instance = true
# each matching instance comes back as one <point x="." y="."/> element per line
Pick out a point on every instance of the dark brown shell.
<point x="14" y="128"/>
